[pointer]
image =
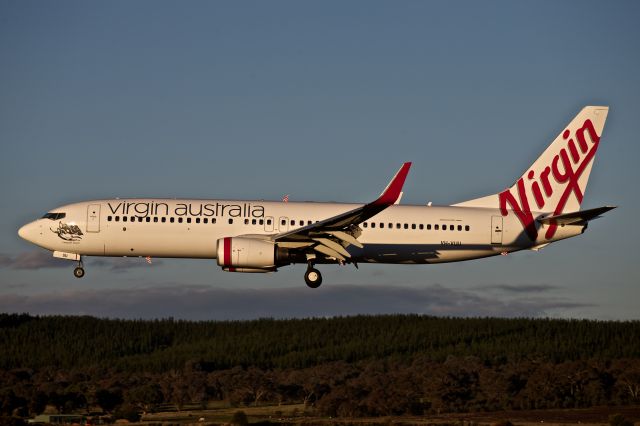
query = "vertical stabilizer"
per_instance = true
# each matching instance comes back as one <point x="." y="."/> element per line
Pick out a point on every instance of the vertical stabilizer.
<point x="556" y="182"/>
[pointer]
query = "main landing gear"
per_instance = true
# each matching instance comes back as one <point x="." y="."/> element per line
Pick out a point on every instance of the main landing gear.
<point x="79" y="271"/>
<point x="312" y="277"/>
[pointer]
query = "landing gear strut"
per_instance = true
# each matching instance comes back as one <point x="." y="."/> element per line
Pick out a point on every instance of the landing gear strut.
<point x="79" y="271"/>
<point x="312" y="277"/>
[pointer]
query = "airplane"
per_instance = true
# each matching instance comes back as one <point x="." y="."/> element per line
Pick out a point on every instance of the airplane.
<point x="541" y="207"/>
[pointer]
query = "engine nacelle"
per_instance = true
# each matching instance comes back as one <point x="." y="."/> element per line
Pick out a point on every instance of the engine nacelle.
<point x="250" y="270"/>
<point x="242" y="254"/>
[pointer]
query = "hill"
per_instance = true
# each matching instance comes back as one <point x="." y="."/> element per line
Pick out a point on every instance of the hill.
<point x="345" y="367"/>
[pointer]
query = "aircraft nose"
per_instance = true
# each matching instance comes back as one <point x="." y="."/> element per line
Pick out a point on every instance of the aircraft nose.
<point x="26" y="232"/>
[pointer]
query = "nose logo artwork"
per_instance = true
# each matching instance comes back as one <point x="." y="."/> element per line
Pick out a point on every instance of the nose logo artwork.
<point x="68" y="232"/>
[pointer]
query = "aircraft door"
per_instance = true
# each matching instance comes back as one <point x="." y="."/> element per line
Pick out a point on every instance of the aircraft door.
<point x="496" y="229"/>
<point x="93" y="218"/>
<point x="268" y="224"/>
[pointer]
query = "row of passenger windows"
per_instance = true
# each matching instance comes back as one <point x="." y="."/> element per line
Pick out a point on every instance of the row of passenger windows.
<point x="283" y="222"/>
<point x="436" y="227"/>
<point x="163" y="219"/>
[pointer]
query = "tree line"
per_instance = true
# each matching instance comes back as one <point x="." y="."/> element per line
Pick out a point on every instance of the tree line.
<point x="349" y="366"/>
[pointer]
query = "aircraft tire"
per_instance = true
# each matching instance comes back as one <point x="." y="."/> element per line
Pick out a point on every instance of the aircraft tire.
<point x="313" y="278"/>
<point x="78" y="272"/>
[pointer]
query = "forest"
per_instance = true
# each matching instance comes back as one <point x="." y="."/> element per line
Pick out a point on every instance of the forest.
<point x="344" y="366"/>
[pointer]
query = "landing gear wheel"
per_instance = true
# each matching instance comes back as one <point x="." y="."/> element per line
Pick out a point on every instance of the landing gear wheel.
<point x="313" y="278"/>
<point x="78" y="272"/>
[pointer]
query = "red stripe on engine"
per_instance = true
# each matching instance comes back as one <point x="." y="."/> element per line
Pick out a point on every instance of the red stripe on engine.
<point x="227" y="251"/>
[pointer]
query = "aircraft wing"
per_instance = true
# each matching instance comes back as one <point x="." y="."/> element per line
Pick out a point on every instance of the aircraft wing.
<point x="330" y="236"/>
<point x="580" y="216"/>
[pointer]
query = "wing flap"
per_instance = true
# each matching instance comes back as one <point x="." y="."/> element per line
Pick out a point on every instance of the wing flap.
<point x="329" y="252"/>
<point x="348" y="238"/>
<point x="333" y="246"/>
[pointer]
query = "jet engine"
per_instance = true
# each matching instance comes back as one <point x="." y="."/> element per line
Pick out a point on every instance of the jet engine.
<point x="244" y="254"/>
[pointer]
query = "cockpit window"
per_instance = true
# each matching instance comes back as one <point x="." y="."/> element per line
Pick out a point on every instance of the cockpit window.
<point x="54" y="216"/>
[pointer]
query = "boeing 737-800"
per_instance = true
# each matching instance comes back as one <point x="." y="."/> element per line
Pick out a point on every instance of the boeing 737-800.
<point x="541" y="207"/>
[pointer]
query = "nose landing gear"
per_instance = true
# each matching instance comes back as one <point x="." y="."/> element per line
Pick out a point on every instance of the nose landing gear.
<point x="79" y="271"/>
<point x="312" y="277"/>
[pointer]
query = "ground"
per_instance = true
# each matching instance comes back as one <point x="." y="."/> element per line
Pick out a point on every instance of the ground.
<point x="294" y="414"/>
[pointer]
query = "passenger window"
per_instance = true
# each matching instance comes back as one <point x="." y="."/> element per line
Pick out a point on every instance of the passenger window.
<point x="117" y="218"/>
<point x="459" y="227"/>
<point x="148" y="219"/>
<point x="283" y="222"/>
<point x="262" y="222"/>
<point x="308" y="222"/>
<point x="188" y="220"/>
<point x="451" y="227"/>
<point x="155" y="219"/>
<point x="391" y="226"/>
<point x="293" y="222"/>
<point x="172" y="220"/>
<point x="164" y="219"/>
<point x="268" y="221"/>
<point x="213" y="220"/>
<point x="124" y="218"/>
<point x="197" y="220"/>
<point x="406" y="226"/>
<point x="139" y="218"/>
<point x="398" y="226"/>
<point x="381" y="225"/>
<point x="108" y="218"/>
<point x="436" y="227"/>
<point x="253" y="221"/>
<point x="413" y="226"/>
<point x="421" y="226"/>
<point x="205" y="220"/>
<point x="246" y="221"/>
<point x="364" y="225"/>
<point x="302" y="223"/>
<point x="230" y="221"/>
<point x="373" y="224"/>
<point x="179" y="220"/>
<point x="466" y="227"/>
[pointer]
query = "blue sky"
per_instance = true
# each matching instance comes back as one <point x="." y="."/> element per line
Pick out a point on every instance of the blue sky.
<point x="322" y="101"/>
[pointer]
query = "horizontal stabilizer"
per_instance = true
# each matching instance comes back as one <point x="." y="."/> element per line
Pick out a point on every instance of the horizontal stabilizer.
<point x="576" y="217"/>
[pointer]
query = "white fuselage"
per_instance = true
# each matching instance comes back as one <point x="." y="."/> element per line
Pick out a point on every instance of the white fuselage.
<point x="191" y="228"/>
<point x="541" y="207"/>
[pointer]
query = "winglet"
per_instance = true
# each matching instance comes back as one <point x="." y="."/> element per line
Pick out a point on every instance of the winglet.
<point x="392" y="192"/>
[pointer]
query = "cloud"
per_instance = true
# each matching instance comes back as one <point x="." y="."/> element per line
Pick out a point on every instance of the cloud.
<point x="39" y="259"/>
<point x="531" y="288"/>
<point x="121" y="264"/>
<point x="4" y="260"/>
<point x="35" y="259"/>
<point x="204" y="303"/>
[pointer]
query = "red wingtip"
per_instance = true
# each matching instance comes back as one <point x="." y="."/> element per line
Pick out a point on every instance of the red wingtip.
<point x="393" y="190"/>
